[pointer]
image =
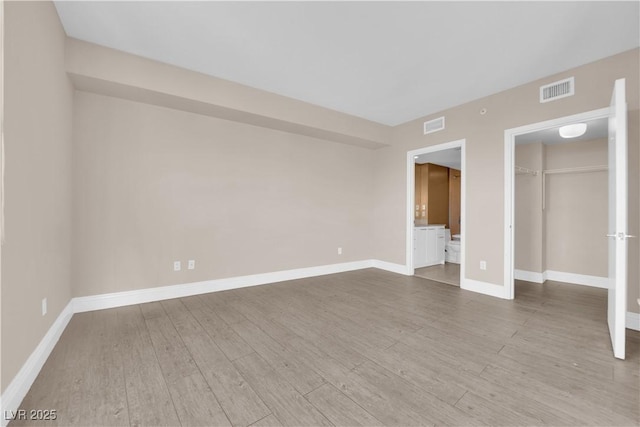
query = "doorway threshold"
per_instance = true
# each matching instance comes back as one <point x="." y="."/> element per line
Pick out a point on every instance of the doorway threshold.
<point x="448" y="273"/>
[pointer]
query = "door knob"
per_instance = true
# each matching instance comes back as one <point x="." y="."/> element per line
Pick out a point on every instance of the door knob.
<point x="621" y="236"/>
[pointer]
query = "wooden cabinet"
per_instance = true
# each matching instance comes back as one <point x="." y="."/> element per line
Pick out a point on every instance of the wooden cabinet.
<point x="432" y="194"/>
<point x="418" y="192"/>
<point x="454" y="201"/>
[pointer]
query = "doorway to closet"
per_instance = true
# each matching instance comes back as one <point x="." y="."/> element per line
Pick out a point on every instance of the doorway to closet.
<point x="560" y="206"/>
<point x="557" y="183"/>
<point x="435" y="212"/>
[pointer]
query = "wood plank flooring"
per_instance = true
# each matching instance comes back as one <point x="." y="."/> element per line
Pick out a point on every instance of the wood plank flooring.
<point x="448" y="273"/>
<point x="361" y="348"/>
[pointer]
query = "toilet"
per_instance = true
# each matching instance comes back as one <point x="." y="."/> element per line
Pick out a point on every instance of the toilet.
<point x="452" y="247"/>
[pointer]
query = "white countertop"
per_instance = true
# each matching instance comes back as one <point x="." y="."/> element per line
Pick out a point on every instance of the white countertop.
<point x="430" y="225"/>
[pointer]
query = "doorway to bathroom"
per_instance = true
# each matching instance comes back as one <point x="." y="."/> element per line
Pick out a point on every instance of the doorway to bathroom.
<point x="435" y="212"/>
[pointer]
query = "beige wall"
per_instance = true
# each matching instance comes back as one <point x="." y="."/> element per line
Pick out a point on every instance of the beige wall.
<point x="569" y="234"/>
<point x="153" y="185"/>
<point x="576" y="209"/>
<point x="36" y="253"/>
<point x="485" y="161"/>
<point x="529" y="227"/>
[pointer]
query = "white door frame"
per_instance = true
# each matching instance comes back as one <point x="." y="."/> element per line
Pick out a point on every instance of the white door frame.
<point x="509" y="177"/>
<point x="411" y="176"/>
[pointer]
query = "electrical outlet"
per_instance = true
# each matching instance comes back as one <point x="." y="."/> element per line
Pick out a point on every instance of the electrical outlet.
<point x="44" y="306"/>
<point x="177" y="266"/>
<point x="483" y="265"/>
<point x="339" y="251"/>
<point x="192" y="264"/>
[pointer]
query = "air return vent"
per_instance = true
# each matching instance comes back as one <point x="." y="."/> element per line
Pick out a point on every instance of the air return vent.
<point x="557" y="90"/>
<point x="434" y="125"/>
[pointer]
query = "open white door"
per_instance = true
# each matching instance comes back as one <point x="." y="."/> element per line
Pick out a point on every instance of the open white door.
<point x="616" y="311"/>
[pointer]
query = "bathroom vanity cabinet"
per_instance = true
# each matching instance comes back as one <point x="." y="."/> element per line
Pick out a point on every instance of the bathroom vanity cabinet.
<point x="428" y="245"/>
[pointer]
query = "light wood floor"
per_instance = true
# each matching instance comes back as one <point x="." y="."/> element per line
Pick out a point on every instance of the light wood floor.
<point x="448" y="273"/>
<point x="360" y="348"/>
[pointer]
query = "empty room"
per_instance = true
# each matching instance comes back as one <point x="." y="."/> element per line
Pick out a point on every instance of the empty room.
<point x="320" y="213"/>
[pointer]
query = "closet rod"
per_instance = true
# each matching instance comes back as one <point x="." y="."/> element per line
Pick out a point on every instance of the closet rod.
<point x="579" y="169"/>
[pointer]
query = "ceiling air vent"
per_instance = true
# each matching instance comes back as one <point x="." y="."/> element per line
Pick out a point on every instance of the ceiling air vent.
<point x="557" y="90"/>
<point x="434" y="125"/>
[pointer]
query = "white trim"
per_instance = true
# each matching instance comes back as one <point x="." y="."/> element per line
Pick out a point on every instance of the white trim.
<point x="460" y="143"/>
<point x="561" y="276"/>
<point x="483" y="288"/>
<point x="633" y="320"/>
<point x="140" y="296"/>
<point x="509" y="164"/>
<point x="392" y="267"/>
<point x="578" y="279"/>
<point x="21" y="383"/>
<point x="530" y="276"/>
<point x="463" y="209"/>
<point x="119" y="299"/>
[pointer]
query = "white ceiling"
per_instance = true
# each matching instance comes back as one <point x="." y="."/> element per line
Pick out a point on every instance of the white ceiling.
<point x="389" y="62"/>
<point x="451" y="158"/>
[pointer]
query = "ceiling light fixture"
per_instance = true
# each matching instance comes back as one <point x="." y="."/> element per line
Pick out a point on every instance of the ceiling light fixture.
<point x="573" y="131"/>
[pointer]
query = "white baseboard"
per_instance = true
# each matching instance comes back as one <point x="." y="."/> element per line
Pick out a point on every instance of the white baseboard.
<point x="578" y="279"/>
<point x="529" y="276"/>
<point x="633" y="321"/>
<point x="21" y="383"/>
<point x="392" y="267"/>
<point x="561" y="276"/>
<point x="484" y="288"/>
<point x="120" y="299"/>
